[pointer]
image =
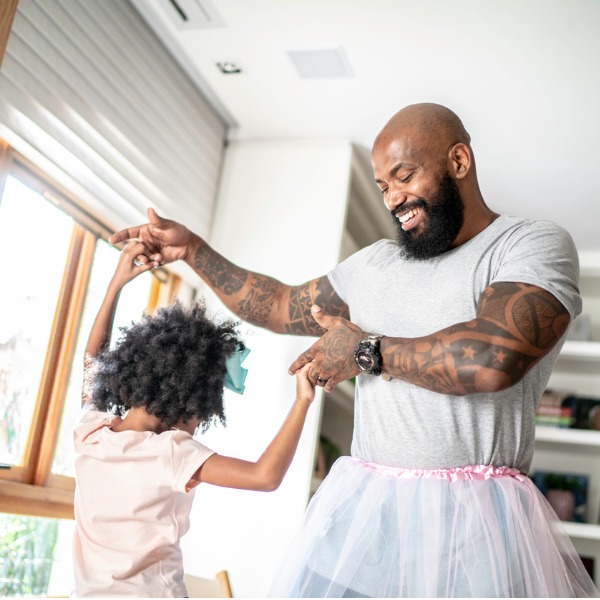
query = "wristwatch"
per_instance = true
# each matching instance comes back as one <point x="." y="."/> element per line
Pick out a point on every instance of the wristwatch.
<point x="368" y="355"/>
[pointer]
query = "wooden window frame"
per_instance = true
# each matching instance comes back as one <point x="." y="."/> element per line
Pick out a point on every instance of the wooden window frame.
<point x="8" y="9"/>
<point x="33" y="489"/>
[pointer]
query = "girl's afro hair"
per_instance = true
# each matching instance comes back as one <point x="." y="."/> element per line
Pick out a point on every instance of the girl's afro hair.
<point x="172" y="364"/>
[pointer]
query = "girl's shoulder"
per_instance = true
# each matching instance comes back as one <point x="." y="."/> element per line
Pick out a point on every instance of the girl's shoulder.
<point x="91" y="421"/>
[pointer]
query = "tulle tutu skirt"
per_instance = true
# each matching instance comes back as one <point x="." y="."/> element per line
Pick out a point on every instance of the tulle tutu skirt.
<point x="479" y="531"/>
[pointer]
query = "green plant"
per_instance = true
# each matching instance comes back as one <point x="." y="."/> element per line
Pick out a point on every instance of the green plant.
<point x="26" y="554"/>
<point x="558" y="481"/>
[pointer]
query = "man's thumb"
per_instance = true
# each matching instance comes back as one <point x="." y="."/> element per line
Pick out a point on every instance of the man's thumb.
<point x="153" y="217"/>
<point x="319" y="315"/>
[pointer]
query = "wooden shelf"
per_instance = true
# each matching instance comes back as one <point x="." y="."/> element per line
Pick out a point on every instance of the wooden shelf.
<point x="563" y="435"/>
<point x="588" y="351"/>
<point x="580" y="531"/>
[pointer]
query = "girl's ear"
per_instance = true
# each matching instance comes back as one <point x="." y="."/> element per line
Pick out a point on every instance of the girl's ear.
<point x="459" y="160"/>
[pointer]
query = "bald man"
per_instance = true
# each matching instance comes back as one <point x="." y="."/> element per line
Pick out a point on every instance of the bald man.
<point x="452" y="331"/>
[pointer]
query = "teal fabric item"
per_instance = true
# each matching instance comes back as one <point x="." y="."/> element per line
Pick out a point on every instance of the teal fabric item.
<point x="235" y="376"/>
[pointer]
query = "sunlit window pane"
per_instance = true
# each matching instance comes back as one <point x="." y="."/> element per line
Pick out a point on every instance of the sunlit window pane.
<point x="132" y="302"/>
<point x="35" y="556"/>
<point x="34" y="239"/>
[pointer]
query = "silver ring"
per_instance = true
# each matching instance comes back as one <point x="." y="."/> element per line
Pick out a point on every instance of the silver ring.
<point x="138" y="263"/>
<point x="321" y="380"/>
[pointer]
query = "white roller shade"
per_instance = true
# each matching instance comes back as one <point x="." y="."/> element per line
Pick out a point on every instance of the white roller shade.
<point x="89" y="94"/>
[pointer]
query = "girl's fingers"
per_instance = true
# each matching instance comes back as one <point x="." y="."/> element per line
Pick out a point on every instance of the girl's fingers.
<point x="305" y="369"/>
<point x="147" y="267"/>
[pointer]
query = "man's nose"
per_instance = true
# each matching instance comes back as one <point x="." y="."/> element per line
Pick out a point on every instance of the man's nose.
<point x="394" y="199"/>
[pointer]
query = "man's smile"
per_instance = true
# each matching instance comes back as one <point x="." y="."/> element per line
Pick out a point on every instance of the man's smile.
<point x="409" y="219"/>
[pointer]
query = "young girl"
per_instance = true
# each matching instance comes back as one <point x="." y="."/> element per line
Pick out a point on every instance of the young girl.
<point x="136" y="459"/>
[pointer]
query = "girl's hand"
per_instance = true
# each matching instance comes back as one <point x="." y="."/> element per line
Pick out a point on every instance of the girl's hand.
<point x="129" y="266"/>
<point x="305" y="389"/>
<point x="268" y="471"/>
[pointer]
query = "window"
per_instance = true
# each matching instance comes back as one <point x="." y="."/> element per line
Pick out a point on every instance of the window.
<point x="56" y="268"/>
<point x="35" y="556"/>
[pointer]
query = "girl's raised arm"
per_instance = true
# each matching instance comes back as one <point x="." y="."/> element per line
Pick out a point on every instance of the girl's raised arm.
<point x="126" y="270"/>
<point x="268" y="471"/>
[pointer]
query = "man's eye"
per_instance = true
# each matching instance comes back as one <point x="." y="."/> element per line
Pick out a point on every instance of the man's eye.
<point x="383" y="191"/>
<point x="406" y="178"/>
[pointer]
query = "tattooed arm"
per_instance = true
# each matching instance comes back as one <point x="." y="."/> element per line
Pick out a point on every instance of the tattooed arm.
<point x="256" y="298"/>
<point x="262" y="300"/>
<point x="515" y="326"/>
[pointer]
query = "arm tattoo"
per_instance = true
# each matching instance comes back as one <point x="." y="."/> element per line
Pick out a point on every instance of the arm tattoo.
<point x="326" y="298"/>
<point x="516" y="325"/>
<point x="301" y="321"/>
<point x="227" y="280"/>
<point x="222" y="275"/>
<point x="256" y="295"/>
<point x="300" y="318"/>
<point x="538" y="316"/>
<point x="257" y="304"/>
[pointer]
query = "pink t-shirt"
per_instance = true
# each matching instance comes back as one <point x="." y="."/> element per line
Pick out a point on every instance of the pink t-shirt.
<point x="132" y="505"/>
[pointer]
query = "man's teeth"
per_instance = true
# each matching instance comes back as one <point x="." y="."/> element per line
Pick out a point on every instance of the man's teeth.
<point x="409" y="215"/>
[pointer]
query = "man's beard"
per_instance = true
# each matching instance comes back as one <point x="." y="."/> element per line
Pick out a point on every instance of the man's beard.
<point x="445" y="217"/>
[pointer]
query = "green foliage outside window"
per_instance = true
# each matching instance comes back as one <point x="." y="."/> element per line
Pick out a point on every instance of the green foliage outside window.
<point x="26" y="554"/>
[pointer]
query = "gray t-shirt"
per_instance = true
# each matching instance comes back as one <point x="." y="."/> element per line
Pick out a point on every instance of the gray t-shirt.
<point x="402" y="425"/>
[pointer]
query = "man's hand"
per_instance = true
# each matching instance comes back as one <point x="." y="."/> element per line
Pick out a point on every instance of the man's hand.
<point x="166" y="241"/>
<point x="332" y="356"/>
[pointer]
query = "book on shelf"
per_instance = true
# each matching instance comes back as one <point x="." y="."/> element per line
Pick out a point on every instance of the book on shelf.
<point x="553" y="417"/>
<point x="552" y="410"/>
<point x="585" y="412"/>
<point x="564" y="409"/>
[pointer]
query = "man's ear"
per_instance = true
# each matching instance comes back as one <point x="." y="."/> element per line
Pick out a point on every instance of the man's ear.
<point x="459" y="160"/>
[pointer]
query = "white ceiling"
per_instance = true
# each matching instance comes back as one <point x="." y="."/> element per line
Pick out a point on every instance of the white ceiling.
<point x="523" y="75"/>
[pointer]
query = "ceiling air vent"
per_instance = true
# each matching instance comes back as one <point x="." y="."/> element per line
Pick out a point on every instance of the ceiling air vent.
<point x="193" y="14"/>
<point x="320" y="63"/>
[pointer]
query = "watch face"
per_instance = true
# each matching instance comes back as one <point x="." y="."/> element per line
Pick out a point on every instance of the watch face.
<point x="364" y="360"/>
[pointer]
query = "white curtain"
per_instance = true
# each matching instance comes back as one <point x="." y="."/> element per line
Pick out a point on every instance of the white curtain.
<point x="89" y="94"/>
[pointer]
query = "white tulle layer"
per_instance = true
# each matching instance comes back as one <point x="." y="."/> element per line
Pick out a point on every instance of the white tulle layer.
<point x="481" y="531"/>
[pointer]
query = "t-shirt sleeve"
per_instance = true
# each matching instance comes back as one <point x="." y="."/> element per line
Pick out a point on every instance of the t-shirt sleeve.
<point x="349" y="272"/>
<point x="543" y="254"/>
<point x="90" y="421"/>
<point x="187" y="456"/>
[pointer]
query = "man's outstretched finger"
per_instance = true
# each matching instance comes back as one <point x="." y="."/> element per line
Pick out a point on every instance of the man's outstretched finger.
<point x="123" y="235"/>
<point x="303" y="359"/>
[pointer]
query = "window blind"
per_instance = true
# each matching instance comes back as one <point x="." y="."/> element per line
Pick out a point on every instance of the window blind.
<point x="89" y="94"/>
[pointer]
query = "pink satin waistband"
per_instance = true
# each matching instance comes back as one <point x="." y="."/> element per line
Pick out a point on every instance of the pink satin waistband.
<point x="470" y="472"/>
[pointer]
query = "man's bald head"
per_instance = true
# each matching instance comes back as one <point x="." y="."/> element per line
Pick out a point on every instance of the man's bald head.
<point x="424" y="126"/>
<point x="424" y="166"/>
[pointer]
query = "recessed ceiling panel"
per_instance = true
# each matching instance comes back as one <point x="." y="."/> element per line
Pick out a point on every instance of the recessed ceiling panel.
<point x="320" y="63"/>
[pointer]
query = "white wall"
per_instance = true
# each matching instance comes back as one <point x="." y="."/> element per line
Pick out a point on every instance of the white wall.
<point x="280" y="211"/>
